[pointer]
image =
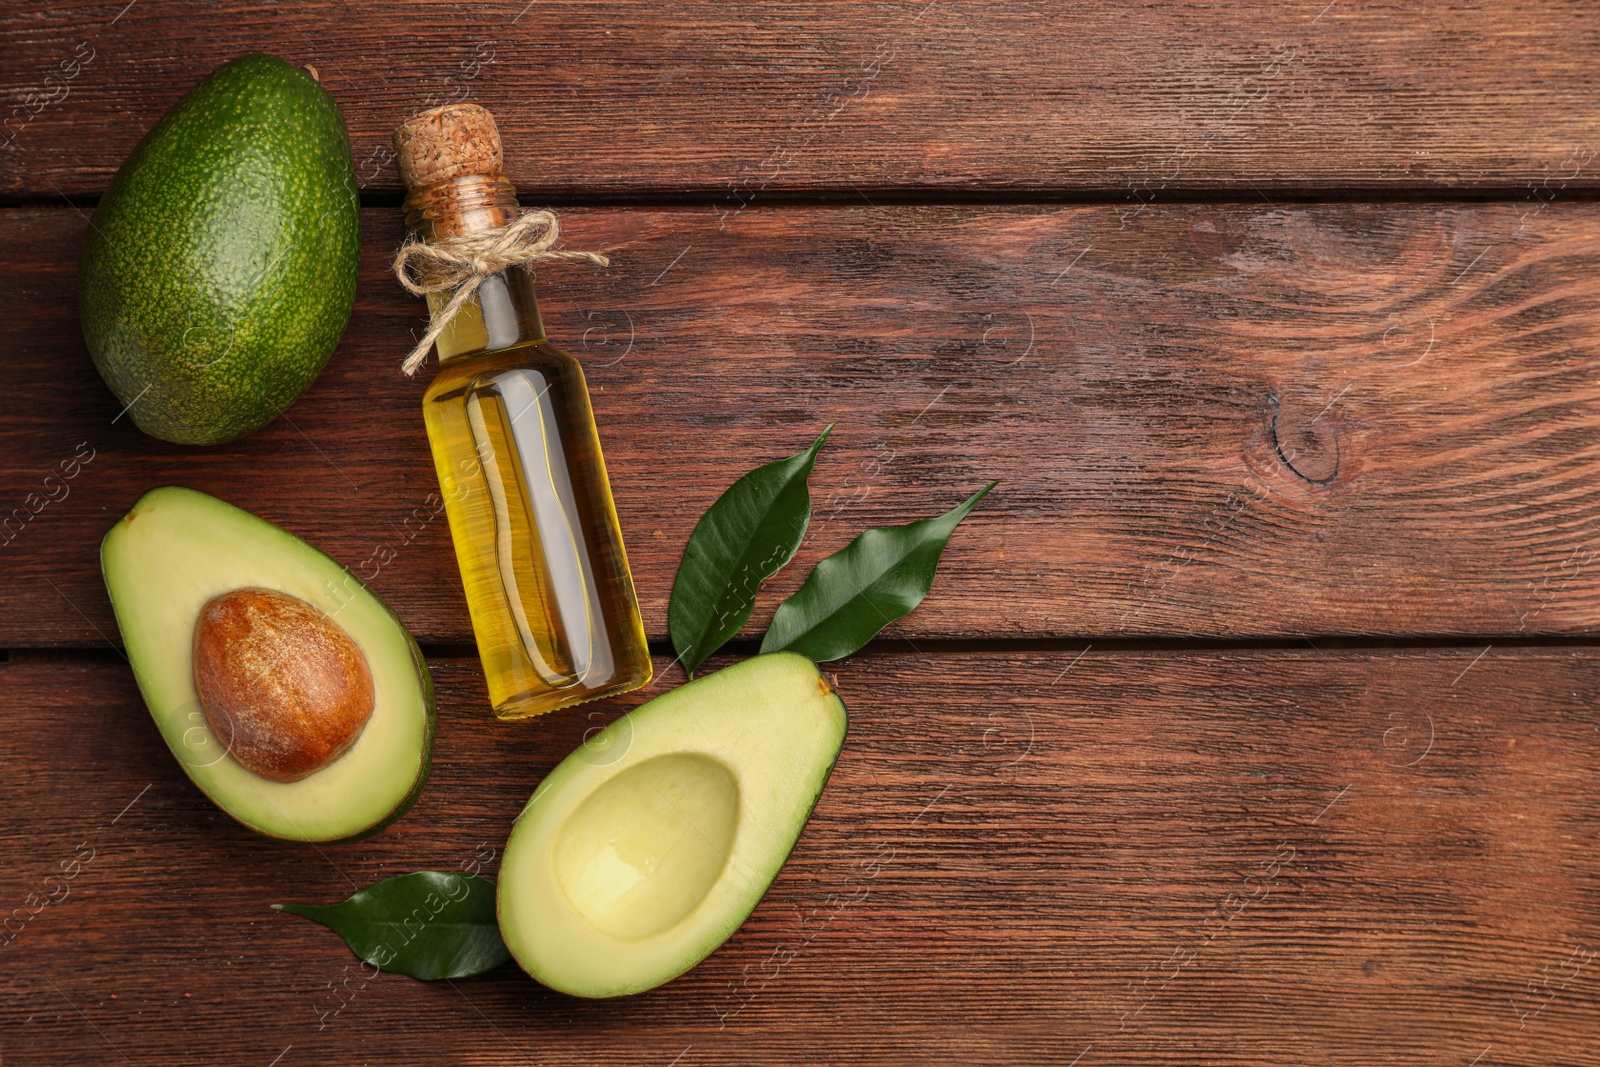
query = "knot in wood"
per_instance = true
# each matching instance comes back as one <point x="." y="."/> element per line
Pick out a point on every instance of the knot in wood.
<point x="1306" y="441"/>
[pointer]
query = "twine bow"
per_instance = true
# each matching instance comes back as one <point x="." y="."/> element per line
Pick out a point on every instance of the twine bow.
<point x="461" y="263"/>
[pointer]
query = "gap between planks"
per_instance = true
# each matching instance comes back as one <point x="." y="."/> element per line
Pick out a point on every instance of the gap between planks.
<point x="1110" y="196"/>
<point x="1481" y="644"/>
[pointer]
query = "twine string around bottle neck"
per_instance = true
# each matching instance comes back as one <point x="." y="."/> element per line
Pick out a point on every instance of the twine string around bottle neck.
<point x="459" y="264"/>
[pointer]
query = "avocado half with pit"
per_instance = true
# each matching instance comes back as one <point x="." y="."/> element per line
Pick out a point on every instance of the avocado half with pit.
<point x="290" y="693"/>
<point x="645" y="849"/>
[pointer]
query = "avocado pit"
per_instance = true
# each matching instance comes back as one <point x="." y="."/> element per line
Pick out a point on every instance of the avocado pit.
<point x="284" y="687"/>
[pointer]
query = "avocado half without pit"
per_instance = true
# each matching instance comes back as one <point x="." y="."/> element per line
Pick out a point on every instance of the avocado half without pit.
<point x="645" y="849"/>
<point x="290" y="693"/>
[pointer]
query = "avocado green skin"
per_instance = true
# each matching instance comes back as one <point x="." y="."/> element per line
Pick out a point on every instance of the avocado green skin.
<point x="219" y="270"/>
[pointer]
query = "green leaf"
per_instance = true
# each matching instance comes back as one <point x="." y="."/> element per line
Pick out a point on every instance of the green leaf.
<point x="744" y="538"/>
<point x="876" y="579"/>
<point x="429" y="925"/>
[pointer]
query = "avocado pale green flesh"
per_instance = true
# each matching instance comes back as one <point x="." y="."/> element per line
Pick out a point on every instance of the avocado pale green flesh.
<point x="176" y="550"/>
<point x="646" y="848"/>
<point x="220" y="268"/>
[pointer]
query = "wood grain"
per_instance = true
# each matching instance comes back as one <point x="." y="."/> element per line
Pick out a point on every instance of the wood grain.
<point x="1152" y="858"/>
<point x="749" y="100"/>
<point x="1206" y="420"/>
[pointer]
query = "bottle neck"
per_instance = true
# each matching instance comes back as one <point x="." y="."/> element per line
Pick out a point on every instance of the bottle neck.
<point x="504" y="311"/>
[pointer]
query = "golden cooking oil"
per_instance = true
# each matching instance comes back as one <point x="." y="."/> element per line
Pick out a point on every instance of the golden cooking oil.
<point x="524" y="482"/>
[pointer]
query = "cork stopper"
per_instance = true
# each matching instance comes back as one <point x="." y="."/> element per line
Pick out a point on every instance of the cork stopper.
<point x="447" y="142"/>
<point x="449" y="158"/>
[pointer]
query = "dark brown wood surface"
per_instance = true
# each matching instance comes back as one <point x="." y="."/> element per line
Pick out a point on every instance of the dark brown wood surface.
<point x="1252" y="719"/>
<point x="1240" y="421"/>
<point x="748" y="100"/>
<point x="1237" y="857"/>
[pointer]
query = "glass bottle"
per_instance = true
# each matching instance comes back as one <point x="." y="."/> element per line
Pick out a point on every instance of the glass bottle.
<point x="518" y="456"/>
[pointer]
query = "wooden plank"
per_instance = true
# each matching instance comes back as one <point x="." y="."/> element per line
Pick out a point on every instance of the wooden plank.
<point x="1241" y="421"/>
<point x="751" y="99"/>
<point x="1230" y="857"/>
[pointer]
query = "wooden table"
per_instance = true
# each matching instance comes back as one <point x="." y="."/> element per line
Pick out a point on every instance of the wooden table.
<point x="1252" y="718"/>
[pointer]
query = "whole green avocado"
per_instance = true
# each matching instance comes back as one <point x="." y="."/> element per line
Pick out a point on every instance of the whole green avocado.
<point x="220" y="268"/>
